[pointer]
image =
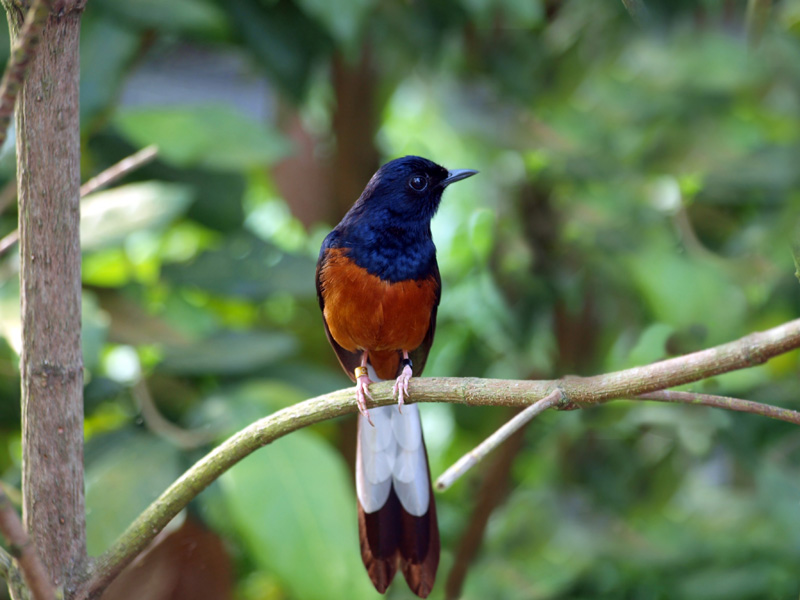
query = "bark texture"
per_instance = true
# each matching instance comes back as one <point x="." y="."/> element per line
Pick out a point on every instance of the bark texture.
<point x="48" y="174"/>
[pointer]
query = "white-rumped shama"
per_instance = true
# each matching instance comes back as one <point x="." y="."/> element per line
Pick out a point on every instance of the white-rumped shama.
<point x="378" y="286"/>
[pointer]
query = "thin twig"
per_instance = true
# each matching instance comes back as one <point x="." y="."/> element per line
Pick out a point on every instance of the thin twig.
<point x="17" y="67"/>
<point x="21" y="548"/>
<point x="113" y="173"/>
<point x="8" y="241"/>
<point x="748" y="406"/>
<point x="746" y="352"/>
<point x="490" y="494"/>
<point x="158" y="424"/>
<point x="119" y="170"/>
<point x="477" y="454"/>
<point x="14" y="494"/>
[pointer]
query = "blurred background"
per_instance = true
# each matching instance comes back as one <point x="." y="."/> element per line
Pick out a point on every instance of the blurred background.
<point x="638" y="193"/>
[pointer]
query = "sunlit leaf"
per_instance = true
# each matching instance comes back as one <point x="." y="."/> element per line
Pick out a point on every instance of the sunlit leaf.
<point x="107" y="217"/>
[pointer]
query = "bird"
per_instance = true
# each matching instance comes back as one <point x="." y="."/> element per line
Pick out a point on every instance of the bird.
<point x="379" y="287"/>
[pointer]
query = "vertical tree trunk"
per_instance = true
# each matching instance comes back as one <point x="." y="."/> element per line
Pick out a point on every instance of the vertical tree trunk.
<point x="48" y="174"/>
<point x="355" y="122"/>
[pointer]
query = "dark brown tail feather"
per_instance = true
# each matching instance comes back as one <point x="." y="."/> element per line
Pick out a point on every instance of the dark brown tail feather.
<point x="389" y="535"/>
<point x="378" y="546"/>
<point x="419" y="550"/>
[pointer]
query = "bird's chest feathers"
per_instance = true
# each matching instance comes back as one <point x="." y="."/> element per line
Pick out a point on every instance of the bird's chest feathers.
<point x="366" y="312"/>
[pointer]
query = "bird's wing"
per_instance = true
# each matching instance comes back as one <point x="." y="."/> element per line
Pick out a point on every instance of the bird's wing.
<point x="348" y="360"/>
<point x="419" y="356"/>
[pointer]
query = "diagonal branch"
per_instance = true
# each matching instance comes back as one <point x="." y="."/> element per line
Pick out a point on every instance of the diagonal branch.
<point x="746" y="352"/>
<point x="474" y="456"/>
<point x="493" y="489"/>
<point x="103" y="179"/>
<point x="118" y="170"/>
<point x="21" y="548"/>
<point x="19" y="61"/>
<point x="737" y="404"/>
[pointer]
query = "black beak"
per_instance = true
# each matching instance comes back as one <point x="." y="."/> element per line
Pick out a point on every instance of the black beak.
<point x="457" y="175"/>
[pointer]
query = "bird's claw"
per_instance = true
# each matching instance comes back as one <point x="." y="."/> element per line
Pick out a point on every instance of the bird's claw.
<point x="400" y="389"/>
<point x="362" y="393"/>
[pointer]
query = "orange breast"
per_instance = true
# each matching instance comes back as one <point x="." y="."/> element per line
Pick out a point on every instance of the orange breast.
<point x="364" y="312"/>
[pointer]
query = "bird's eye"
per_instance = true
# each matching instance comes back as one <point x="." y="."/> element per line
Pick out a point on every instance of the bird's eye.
<point x="418" y="182"/>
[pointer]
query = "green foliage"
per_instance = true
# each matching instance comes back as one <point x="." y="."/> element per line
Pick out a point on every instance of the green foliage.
<point x="304" y="498"/>
<point x="138" y="466"/>
<point x="637" y="199"/>
<point x="206" y="136"/>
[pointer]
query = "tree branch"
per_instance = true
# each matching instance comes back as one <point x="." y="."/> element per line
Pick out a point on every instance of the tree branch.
<point x="113" y="173"/>
<point x="746" y="352"/>
<point x="492" y="491"/>
<point x="748" y="406"/>
<point x="21" y="548"/>
<point x="21" y="56"/>
<point x="51" y="362"/>
<point x="118" y="170"/>
<point x="474" y="456"/>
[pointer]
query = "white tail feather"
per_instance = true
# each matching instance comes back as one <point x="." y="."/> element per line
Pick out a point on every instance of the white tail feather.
<point x="392" y="452"/>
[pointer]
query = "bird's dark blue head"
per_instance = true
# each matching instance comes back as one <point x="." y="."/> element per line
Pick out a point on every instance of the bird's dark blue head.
<point x="388" y="228"/>
<point x="408" y="188"/>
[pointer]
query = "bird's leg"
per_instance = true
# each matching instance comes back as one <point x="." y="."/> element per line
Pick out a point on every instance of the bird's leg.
<point x="362" y="387"/>
<point x="400" y="388"/>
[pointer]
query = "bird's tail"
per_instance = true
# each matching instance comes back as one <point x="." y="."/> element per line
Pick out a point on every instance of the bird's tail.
<point x="396" y="511"/>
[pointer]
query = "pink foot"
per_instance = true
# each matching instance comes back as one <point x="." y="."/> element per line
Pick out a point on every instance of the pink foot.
<point x="400" y="389"/>
<point x="362" y="393"/>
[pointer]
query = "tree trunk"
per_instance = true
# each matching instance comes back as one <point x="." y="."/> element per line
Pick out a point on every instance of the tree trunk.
<point x="355" y="122"/>
<point x="48" y="175"/>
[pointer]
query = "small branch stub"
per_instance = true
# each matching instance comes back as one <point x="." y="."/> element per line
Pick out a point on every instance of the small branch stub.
<point x="472" y="458"/>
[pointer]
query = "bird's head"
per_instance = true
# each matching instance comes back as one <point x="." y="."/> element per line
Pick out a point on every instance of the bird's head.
<point x="409" y="188"/>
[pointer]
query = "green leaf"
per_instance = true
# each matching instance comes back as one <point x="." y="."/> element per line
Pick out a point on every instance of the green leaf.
<point x="246" y="267"/>
<point x="342" y="18"/>
<point x="106" y="50"/>
<point x="482" y="233"/>
<point x="651" y="346"/>
<point x="195" y="16"/>
<point x="230" y="353"/>
<point x="125" y="471"/>
<point x="215" y="137"/>
<point x="286" y="42"/>
<point x="10" y="318"/>
<point x="293" y="505"/>
<point x="684" y="291"/>
<point x="108" y="217"/>
<point x="796" y="250"/>
<point x="94" y="329"/>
